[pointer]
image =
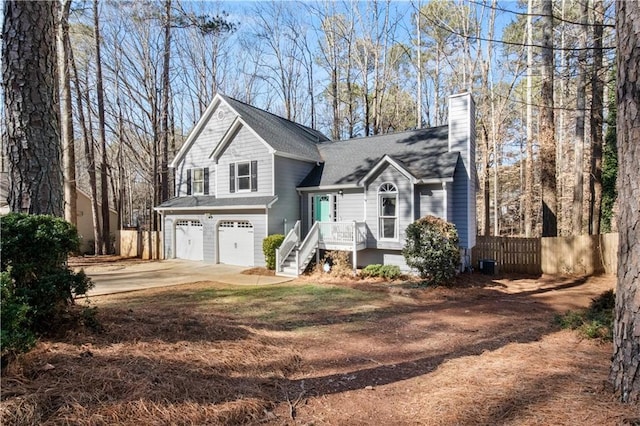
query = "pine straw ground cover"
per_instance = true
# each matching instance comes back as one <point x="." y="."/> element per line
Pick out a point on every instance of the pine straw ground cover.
<point x="307" y="353"/>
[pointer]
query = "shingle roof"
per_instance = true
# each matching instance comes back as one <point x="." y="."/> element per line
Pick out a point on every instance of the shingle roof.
<point x="283" y="135"/>
<point x="424" y="152"/>
<point x="198" y="202"/>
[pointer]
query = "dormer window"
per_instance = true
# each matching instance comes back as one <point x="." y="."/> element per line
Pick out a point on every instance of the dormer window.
<point x="388" y="211"/>
<point x="243" y="176"/>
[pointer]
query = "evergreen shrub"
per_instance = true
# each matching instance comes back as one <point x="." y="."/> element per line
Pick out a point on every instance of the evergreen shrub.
<point x="269" y="246"/>
<point x="431" y="247"/>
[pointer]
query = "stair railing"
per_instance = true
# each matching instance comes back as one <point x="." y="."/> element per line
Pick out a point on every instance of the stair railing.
<point x="307" y="247"/>
<point x="288" y="244"/>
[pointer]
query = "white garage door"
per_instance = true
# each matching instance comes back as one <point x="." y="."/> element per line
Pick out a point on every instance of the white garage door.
<point x="235" y="242"/>
<point x="189" y="240"/>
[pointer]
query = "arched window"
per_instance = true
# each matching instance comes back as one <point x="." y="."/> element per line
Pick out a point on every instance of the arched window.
<point x="388" y="211"/>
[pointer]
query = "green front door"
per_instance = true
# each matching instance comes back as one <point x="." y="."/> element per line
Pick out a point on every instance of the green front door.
<point x="323" y="208"/>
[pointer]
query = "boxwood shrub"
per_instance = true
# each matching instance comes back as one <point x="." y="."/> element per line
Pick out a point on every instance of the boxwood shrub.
<point x="269" y="246"/>
<point x="37" y="285"/>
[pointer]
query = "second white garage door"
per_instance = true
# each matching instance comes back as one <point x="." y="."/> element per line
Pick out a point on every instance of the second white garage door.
<point x="235" y="243"/>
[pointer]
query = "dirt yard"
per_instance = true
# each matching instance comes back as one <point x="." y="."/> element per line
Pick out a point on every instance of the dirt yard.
<point x="484" y="353"/>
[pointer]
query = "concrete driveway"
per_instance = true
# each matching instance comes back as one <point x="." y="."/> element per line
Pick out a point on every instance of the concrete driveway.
<point x="121" y="277"/>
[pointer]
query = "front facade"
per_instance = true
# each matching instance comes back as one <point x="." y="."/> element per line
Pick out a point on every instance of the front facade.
<point x="244" y="173"/>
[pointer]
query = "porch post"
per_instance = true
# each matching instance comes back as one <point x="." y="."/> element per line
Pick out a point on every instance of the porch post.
<point x="355" y="248"/>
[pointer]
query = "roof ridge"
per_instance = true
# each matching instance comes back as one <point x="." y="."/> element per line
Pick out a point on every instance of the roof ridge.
<point x="307" y="129"/>
<point x="390" y="134"/>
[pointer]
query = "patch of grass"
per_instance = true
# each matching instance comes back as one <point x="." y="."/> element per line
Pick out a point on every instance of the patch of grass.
<point x="596" y="322"/>
<point x="284" y="306"/>
<point x="287" y="306"/>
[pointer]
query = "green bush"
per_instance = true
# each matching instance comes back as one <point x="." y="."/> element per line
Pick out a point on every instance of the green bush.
<point x="15" y="334"/>
<point x="431" y="247"/>
<point x="596" y="322"/>
<point x="269" y="246"/>
<point x="390" y="272"/>
<point x="373" y="270"/>
<point x="35" y="249"/>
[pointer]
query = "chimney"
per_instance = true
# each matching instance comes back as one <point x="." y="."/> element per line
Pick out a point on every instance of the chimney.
<point x="462" y="138"/>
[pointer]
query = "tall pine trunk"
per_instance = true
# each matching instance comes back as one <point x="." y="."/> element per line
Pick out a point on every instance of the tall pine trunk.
<point x="625" y="366"/>
<point x="87" y="138"/>
<point x="528" y="175"/>
<point x="597" y="120"/>
<point x="547" y="127"/>
<point x="66" y="115"/>
<point x="166" y="62"/>
<point x="32" y="115"/>
<point x="102" y="140"/>
<point x="578" y="139"/>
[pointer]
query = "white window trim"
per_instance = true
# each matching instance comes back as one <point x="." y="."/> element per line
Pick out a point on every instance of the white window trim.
<point x="193" y="181"/>
<point x="244" y="176"/>
<point x="379" y="215"/>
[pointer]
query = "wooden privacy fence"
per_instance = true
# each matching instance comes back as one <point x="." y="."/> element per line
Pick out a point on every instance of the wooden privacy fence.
<point x="581" y="255"/>
<point x="134" y="243"/>
<point x="522" y="255"/>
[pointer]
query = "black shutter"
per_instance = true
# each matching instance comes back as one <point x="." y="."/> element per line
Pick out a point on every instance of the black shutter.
<point x="232" y="177"/>
<point x="205" y="176"/>
<point x="188" y="181"/>
<point x="254" y="176"/>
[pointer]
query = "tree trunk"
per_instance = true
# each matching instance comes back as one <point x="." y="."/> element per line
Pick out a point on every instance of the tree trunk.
<point x="32" y="115"/>
<point x="578" y="140"/>
<point x="66" y="115"/>
<point x="625" y="366"/>
<point x="164" y="165"/>
<point x="89" y="154"/>
<point x="528" y="180"/>
<point x="547" y="127"/>
<point x="104" y="182"/>
<point x="597" y="120"/>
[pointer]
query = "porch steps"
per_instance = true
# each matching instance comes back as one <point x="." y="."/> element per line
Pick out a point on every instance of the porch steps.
<point x="289" y="265"/>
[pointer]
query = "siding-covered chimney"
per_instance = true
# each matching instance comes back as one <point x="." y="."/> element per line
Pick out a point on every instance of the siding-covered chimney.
<point x="462" y="138"/>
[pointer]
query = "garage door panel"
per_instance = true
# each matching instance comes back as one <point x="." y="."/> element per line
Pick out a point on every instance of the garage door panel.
<point x="236" y="243"/>
<point x="189" y="240"/>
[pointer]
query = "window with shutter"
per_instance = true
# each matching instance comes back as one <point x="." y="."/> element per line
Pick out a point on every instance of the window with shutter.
<point x="232" y="177"/>
<point x="246" y="176"/>
<point x="197" y="181"/>
<point x="206" y="180"/>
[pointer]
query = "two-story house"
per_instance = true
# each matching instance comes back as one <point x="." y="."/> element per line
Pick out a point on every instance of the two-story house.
<point x="244" y="173"/>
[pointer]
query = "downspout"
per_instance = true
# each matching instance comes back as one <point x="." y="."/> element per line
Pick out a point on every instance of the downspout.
<point x="445" y="203"/>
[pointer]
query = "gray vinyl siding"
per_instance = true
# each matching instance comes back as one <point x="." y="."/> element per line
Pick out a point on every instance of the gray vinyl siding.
<point x="351" y="205"/>
<point x="405" y="208"/>
<point x="245" y="146"/>
<point x="202" y="147"/>
<point x="382" y="257"/>
<point x="460" y="204"/>
<point x="289" y="174"/>
<point x="430" y="200"/>
<point x="168" y="237"/>
<point x="210" y="232"/>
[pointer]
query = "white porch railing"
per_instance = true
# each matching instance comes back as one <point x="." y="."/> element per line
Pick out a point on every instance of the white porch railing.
<point x="342" y="235"/>
<point x="288" y="244"/>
